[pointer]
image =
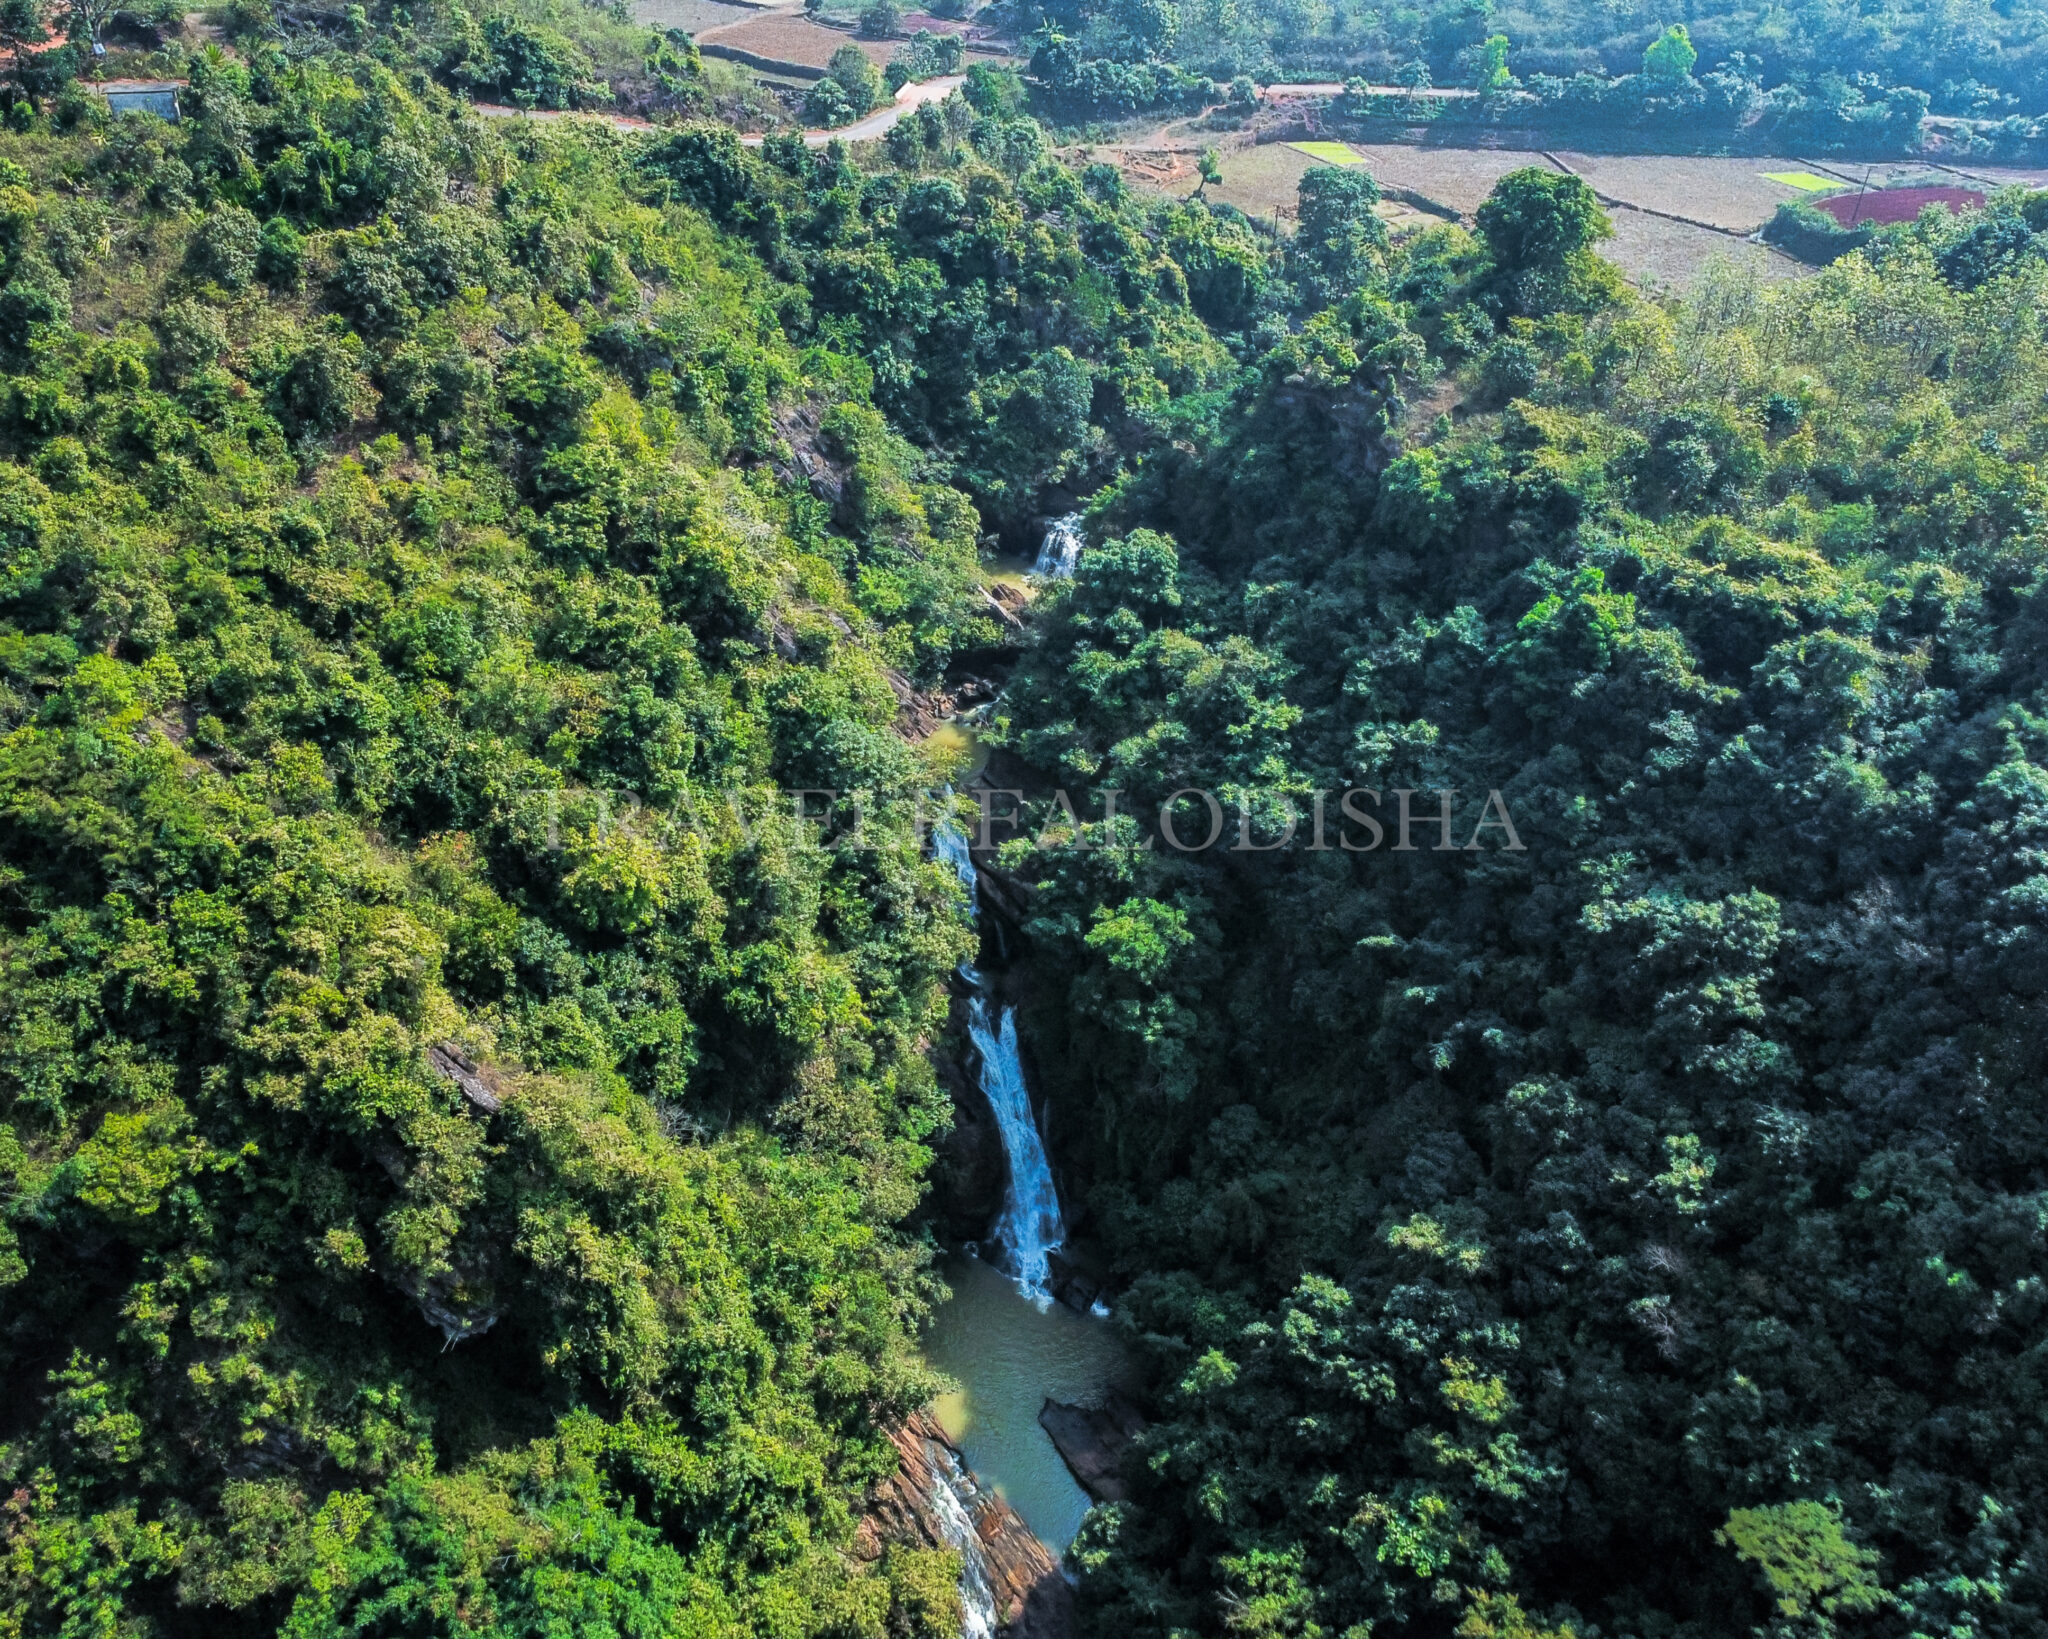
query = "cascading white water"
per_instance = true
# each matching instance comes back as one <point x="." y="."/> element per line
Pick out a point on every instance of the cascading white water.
<point x="956" y="1524"/>
<point x="949" y="843"/>
<point x="1029" y="1229"/>
<point x="1061" y="549"/>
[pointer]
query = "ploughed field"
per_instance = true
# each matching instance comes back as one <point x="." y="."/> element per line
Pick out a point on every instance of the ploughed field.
<point x="782" y="36"/>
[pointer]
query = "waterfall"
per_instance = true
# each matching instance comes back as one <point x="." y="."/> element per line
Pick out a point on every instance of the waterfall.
<point x="1029" y="1228"/>
<point x="956" y="1524"/>
<point x="950" y="844"/>
<point x="1061" y="549"/>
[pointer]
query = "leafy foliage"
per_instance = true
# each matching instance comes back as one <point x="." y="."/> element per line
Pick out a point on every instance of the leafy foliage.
<point x="1627" y="1221"/>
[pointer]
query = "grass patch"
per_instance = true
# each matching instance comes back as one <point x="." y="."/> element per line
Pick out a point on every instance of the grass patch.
<point x="1804" y="181"/>
<point x="1330" y="153"/>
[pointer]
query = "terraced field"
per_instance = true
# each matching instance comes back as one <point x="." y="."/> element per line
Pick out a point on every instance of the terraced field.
<point x="1671" y="215"/>
<point x="786" y="38"/>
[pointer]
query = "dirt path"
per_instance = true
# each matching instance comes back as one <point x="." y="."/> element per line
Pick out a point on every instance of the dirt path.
<point x="618" y="122"/>
<point x="1333" y="88"/>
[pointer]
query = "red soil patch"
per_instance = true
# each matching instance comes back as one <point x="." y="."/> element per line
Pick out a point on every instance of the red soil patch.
<point x="1887" y="205"/>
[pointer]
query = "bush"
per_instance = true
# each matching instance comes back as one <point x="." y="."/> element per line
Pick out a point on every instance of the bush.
<point x="227" y="247"/>
<point x="26" y="304"/>
<point x="321" y="390"/>
<point x="993" y="90"/>
<point x="1511" y="370"/>
<point x="1815" y="237"/>
<point x="858" y="78"/>
<point x="194" y="335"/>
<point x="281" y="255"/>
<point x="879" y="21"/>
<point x="531" y="66"/>
<point x="825" y="105"/>
<point x="925" y="57"/>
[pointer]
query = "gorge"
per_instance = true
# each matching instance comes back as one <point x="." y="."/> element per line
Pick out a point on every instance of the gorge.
<point x="1014" y="1351"/>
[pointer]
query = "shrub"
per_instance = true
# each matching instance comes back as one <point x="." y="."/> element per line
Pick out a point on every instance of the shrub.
<point x="227" y="247"/>
<point x="1814" y="236"/>
<point x="321" y="389"/>
<point x="281" y="255"/>
<point x="1511" y="369"/>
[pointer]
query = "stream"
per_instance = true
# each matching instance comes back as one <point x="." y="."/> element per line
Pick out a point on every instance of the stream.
<point x="1001" y="1336"/>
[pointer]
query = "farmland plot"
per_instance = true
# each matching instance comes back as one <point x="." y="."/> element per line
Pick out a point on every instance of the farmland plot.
<point x="1656" y="251"/>
<point x="1734" y="194"/>
<point x="789" y="37"/>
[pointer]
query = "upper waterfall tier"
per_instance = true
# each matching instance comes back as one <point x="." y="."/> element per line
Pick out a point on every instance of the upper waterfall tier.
<point x="1061" y="549"/>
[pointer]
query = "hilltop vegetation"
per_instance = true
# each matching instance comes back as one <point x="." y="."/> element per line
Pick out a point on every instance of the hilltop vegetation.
<point x="1639" y="1230"/>
<point x="1811" y="78"/>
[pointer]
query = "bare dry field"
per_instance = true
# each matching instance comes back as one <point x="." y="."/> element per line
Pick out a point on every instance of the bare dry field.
<point x="1723" y="193"/>
<point x="1262" y="181"/>
<point x="1656" y="251"/>
<point x="1458" y="177"/>
<point x="1897" y="173"/>
<point x="694" y="15"/>
<point x="788" y="37"/>
<point x="2003" y="176"/>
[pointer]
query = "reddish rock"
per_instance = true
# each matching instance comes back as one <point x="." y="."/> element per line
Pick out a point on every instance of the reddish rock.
<point x="1031" y="1597"/>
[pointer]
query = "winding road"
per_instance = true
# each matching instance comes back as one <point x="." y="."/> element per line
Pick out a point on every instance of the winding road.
<point x="882" y="119"/>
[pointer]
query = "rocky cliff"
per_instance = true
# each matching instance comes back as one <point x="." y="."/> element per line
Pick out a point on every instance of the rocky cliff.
<point x="1011" y="1583"/>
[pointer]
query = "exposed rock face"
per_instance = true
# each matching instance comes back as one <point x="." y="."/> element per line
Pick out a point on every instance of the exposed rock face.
<point x="478" y="1085"/>
<point x="1012" y="1585"/>
<point x="1093" y="1442"/>
<point x="1075" y="1282"/>
<point x="968" y="1175"/>
<point x="919" y="712"/>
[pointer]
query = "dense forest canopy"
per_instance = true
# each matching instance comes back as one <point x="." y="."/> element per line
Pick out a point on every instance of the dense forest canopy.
<point x="1596" y="1225"/>
<point x="465" y="1141"/>
<point x="1826" y="78"/>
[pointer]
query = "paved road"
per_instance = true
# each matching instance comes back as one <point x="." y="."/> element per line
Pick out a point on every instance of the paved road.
<point x="875" y="124"/>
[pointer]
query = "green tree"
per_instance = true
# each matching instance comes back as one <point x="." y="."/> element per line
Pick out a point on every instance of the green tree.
<point x="22" y="28"/>
<point x="1814" y="1574"/>
<point x="1670" y="57"/>
<point x="1339" y="243"/>
<point x="1537" y="218"/>
<point x="1490" y="66"/>
<point x="857" y="78"/>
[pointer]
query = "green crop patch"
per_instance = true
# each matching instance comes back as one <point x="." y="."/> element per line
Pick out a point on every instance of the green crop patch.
<point x="1804" y="181"/>
<point x="1330" y="153"/>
